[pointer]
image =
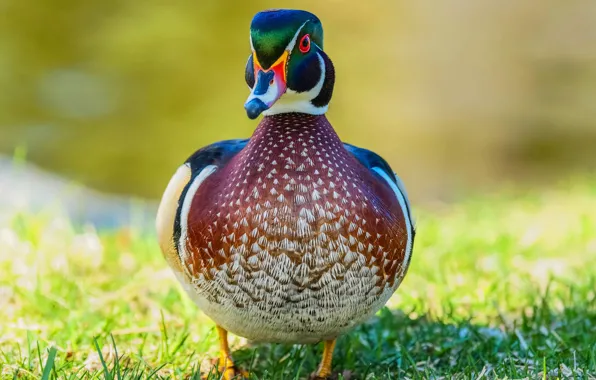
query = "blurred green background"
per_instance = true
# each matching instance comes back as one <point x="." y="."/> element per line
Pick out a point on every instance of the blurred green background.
<point x="455" y="94"/>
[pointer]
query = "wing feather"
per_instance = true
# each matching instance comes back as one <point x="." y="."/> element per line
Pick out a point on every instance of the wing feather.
<point x="380" y="167"/>
<point x="183" y="185"/>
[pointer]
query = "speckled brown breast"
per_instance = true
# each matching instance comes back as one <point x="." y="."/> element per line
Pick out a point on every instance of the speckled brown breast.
<point x="294" y="239"/>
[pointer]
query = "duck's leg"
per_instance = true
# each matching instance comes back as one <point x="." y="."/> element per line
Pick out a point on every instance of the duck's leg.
<point x="324" y="370"/>
<point x="226" y="366"/>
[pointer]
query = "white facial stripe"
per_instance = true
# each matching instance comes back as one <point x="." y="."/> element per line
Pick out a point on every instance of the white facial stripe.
<point x="316" y="90"/>
<point x="293" y="101"/>
<point x="403" y="201"/>
<point x="292" y="43"/>
<point x="190" y="194"/>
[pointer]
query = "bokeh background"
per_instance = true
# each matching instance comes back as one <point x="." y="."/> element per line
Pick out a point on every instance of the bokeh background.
<point x="486" y="109"/>
<point x="456" y="95"/>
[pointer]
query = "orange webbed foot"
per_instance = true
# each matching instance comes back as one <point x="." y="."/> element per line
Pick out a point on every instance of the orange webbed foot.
<point x="226" y="365"/>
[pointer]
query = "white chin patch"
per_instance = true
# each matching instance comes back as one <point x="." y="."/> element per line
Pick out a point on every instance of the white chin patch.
<point x="293" y="101"/>
<point x="289" y="105"/>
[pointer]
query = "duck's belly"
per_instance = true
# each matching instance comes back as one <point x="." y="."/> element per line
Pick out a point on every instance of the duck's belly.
<point x="289" y="302"/>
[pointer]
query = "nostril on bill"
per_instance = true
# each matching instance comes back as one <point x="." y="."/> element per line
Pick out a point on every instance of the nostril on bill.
<point x="264" y="80"/>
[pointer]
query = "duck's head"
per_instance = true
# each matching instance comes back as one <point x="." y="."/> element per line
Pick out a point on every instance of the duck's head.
<point x="287" y="70"/>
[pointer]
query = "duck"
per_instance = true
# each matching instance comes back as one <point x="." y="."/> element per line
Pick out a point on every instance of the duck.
<point x="290" y="236"/>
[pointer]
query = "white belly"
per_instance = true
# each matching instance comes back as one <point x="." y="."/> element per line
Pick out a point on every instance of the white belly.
<point x="278" y="309"/>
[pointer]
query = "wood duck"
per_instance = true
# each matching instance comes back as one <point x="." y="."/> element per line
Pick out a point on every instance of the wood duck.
<point x="290" y="236"/>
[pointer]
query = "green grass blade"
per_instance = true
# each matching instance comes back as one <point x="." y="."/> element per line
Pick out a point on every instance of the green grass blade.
<point x="117" y="369"/>
<point x="47" y="370"/>
<point x="107" y="374"/>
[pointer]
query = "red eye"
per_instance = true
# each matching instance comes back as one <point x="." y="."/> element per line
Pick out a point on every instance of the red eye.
<point x="305" y="44"/>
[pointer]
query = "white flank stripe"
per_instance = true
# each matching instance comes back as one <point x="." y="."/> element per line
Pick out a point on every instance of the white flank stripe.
<point x="403" y="201"/>
<point x="166" y="213"/>
<point x="190" y="194"/>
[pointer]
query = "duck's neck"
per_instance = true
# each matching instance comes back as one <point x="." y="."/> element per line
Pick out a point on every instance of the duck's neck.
<point x="293" y="147"/>
<point x="301" y="128"/>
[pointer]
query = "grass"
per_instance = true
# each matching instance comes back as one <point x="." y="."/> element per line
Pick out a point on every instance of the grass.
<point x="501" y="286"/>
